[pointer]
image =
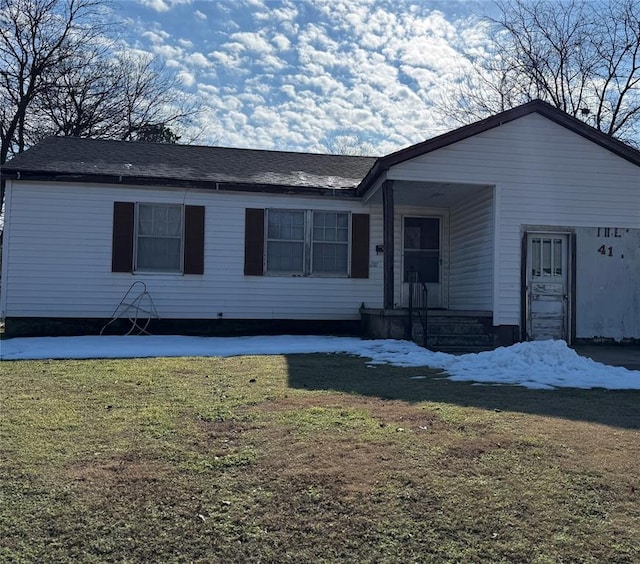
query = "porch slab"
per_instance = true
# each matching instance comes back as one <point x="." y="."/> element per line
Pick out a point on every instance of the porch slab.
<point x="449" y="331"/>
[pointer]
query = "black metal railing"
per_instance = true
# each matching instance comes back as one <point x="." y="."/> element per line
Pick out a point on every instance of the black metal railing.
<point x="418" y="303"/>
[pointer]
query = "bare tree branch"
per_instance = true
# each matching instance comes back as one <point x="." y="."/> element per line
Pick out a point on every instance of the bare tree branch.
<point x="581" y="56"/>
<point x="63" y="73"/>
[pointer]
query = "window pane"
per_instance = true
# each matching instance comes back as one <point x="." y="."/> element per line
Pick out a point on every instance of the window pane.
<point x="288" y="225"/>
<point x="159" y="240"/>
<point x="285" y="257"/>
<point x="330" y="226"/>
<point x="421" y="233"/>
<point x="158" y="254"/>
<point x="411" y="237"/>
<point x="174" y="221"/>
<point x="422" y="266"/>
<point x="557" y="257"/>
<point x="145" y="219"/>
<point x="330" y="243"/>
<point x="285" y="241"/>
<point x="535" y="257"/>
<point x="330" y="258"/>
<point x="546" y="257"/>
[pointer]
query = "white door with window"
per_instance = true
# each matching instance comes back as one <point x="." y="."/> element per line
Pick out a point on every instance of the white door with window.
<point x="421" y="257"/>
<point x="547" y="286"/>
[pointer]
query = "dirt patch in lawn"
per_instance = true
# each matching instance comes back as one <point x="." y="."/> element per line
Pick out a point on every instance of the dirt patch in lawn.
<point x="117" y="470"/>
<point x="386" y="412"/>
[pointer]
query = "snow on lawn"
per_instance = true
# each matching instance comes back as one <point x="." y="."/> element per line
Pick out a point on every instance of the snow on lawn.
<point x="545" y="364"/>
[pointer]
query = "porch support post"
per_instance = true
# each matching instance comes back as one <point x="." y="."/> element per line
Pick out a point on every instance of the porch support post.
<point x="387" y="229"/>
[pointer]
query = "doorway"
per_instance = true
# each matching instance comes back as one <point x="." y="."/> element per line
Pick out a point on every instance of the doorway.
<point x="421" y="257"/>
<point x="547" y="286"/>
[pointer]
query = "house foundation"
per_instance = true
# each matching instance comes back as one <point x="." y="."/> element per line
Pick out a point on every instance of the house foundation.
<point x="451" y="331"/>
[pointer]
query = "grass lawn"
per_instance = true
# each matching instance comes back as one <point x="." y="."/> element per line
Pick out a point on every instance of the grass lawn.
<point x="309" y="458"/>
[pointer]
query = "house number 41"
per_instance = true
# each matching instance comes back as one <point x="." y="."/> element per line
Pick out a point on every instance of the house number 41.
<point x="607" y="251"/>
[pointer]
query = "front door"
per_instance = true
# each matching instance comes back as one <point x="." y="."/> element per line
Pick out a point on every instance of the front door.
<point x="421" y="257"/>
<point x="547" y="286"/>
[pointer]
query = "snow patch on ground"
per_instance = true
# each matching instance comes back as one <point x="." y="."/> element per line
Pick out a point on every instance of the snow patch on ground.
<point x="541" y="365"/>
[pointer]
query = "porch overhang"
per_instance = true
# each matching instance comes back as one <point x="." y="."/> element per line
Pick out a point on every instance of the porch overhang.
<point x="420" y="198"/>
<point x="426" y="193"/>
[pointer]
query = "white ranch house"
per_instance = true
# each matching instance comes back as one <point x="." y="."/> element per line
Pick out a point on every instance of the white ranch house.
<point x="523" y="226"/>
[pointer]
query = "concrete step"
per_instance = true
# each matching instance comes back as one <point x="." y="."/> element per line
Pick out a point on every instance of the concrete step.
<point x="455" y="334"/>
<point x="461" y="349"/>
<point x="458" y="340"/>
<point x="452" y="328"/>
<point x="452" y="319"/>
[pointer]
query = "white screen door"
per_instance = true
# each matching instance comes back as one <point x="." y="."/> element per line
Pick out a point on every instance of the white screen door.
<point x="547" y="286"/>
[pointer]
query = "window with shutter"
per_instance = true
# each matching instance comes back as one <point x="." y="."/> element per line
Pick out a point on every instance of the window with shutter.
<point x="306" y="243"/>
<point x="161" y="238"/>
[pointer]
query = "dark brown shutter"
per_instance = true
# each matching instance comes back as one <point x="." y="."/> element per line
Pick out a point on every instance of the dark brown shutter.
<point x="122" y="243"/>
<point x="253" y="242"/>
<point x="359" y="245"/>
<point x="193" y="240"/>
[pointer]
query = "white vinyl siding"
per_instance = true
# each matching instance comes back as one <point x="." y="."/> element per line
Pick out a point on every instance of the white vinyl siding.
<point x="471" y="253"/>
<point x="544" y="175"/>
<point x="59" y="263"/>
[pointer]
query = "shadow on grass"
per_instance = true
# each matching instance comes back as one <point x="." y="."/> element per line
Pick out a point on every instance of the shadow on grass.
<point x="351" y="375"/>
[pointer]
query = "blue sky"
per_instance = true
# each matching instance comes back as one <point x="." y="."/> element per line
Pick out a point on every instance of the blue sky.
<point x="310" y="75"/>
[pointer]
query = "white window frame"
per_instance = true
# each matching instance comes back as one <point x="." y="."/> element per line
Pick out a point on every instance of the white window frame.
<point x="307" y="257"/>
<point x="137" y="235"/>
<point x="346" y="244"/>
<point x="268" y="240"/>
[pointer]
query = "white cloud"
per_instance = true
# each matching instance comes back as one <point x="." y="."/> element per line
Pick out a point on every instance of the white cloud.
<point x="208" y="89"/>
<point x="257" y="5"/>
<point x="156" y="36"/>
<point x="162" y="5"/>
<point x="199" y="15"/>
<point x="252" y="42"/>
<point x="157" y="5"/>
<point x="281" y="42"/>
<point x="228" y="61"/>
<point x="187" y="78"/>
<point x="290" y="74"/>
<point x="169" y="52"/>
<point x="197" y="59"/>
<point x="278" y="13"/>
<point x="289" y="90"/>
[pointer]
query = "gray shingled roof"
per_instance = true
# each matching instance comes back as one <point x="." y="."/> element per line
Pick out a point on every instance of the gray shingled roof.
<point x="71" y="156"/>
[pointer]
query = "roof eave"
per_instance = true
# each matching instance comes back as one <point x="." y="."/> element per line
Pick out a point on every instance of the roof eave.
<point x="209" y="185"/>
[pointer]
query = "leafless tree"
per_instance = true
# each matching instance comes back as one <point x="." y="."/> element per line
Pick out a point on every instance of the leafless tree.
<point x="63" y="72"/>
<point x="581" y="56"/>
<point x="351" y="144"/>
<point x="36" y="37"/>
<point x="151" y="97"/>
<point x="113" y="97"/>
